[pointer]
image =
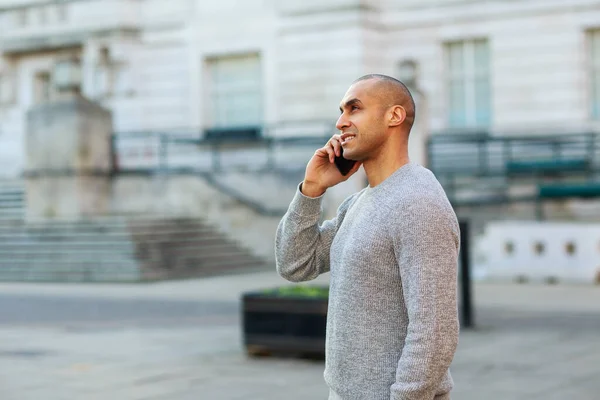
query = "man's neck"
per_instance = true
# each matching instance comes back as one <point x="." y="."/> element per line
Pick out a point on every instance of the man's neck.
<point x="380" y="168"/>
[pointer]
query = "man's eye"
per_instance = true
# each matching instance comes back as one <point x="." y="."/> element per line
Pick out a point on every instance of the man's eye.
<point x="354" y="108"/>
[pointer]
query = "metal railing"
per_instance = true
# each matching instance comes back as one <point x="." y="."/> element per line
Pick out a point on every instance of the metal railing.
<point x="482" y="155"/>
<point x="188" y="152"/>
<point x="482" y="170"/>
<point x="487" y="159"/>
<point x="449" y="154"/>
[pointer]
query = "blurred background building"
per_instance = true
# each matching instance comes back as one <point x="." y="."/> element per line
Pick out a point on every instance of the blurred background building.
<point x="529" y="66"/>
<point x="149" y="140"/>
<point x="217" y="105"/>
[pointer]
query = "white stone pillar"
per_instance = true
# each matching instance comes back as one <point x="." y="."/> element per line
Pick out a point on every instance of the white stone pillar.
<point x="419" y="135"/>
<point x="68" y="158"/>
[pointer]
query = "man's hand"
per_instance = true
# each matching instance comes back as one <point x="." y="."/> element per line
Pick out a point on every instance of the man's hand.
<point x="321" y="171"/>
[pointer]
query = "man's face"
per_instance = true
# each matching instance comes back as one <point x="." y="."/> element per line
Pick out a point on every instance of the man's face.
<point x="362" y="121"/>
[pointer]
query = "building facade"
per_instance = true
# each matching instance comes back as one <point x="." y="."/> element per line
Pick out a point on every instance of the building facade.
<point x="281" y="67"/>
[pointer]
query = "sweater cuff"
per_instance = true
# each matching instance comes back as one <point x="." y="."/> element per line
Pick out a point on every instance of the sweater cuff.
<point x="304" y="205"/>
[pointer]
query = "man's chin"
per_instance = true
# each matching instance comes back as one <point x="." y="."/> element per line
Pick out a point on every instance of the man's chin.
<point x="349" y="154"/>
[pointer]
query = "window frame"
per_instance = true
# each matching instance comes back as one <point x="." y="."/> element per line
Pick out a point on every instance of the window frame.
<point x="467" y="77"/>
<point x="594" y="73"/>
<point x="217" y="93"/>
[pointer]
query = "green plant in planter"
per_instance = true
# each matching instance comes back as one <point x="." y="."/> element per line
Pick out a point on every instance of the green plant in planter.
<point x="305" y="291"/>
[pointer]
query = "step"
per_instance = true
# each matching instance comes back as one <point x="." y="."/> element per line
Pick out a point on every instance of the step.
<point x="46" y="264"/>
<point x="203" y="257"/>
<point x="12" y="212"/>
<point x="95" y="267"/>
<point x="207" y="242"/>
<point x="52" y="255"/>
<point x="11" y="242"/>
<point x="32" y="249"/>
<point x="85" y="242"/>
<point x="107" y="223"/>
<point x="112" y="226"/>
<point x="101" y="257"/>
<point x="10" y="219"/>
<point x="210" y="260"/>
<point x="12" y="199"/>
<point x="121" y="272"/>
<point x="60" y="245"/>
<point x="29" y="231"/>
<point x="101" y="221"/>
<point x="68" y="261"/>
<point x="10" y="189"/>
<point x="12" y="205"/>
<point x="230" y="267"/>
<point x="112" y="274"/>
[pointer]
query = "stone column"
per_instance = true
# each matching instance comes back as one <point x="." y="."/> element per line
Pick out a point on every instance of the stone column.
<point x="419" y="135"/>
<point x="408" y="72"/>
<point x="68" y="153"/>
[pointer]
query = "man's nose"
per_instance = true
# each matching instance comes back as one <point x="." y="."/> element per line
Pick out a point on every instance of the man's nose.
<point x="342" y="123"/>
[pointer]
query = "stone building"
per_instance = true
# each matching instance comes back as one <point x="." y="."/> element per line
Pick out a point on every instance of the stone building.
<point x="192" y="65"/>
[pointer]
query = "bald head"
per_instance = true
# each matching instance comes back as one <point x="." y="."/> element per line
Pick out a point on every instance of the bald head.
<point x="392" y="92"/>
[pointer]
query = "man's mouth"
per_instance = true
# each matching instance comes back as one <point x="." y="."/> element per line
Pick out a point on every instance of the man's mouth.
<point x="346" y="137"/>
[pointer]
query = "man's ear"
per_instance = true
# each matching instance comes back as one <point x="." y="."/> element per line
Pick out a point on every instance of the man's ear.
<point x="397" y="115"/>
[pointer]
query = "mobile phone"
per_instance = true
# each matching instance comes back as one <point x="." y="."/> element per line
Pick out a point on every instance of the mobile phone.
<point x="343" y="165"/>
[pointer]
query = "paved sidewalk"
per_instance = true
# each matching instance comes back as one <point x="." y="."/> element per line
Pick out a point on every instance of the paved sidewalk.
<point x="533" y="297"/>
<point x="532" y="342"/>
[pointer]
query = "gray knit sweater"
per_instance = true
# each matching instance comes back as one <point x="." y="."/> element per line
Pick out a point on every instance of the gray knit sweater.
<point x="392" y="251"/>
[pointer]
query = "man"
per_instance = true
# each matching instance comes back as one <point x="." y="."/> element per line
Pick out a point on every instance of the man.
<point x="392" y="251"/>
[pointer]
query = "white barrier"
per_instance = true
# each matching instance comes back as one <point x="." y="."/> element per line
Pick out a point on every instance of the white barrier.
<point x="539" y="252"/>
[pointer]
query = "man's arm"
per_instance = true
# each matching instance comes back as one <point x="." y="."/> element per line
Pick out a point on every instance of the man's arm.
<point x="301" y="244"/>
<point x="428" y="255"/>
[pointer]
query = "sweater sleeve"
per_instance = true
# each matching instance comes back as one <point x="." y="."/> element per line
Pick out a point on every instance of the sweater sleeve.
<point x="301" y="244"/>
<point x="427" y="252"/>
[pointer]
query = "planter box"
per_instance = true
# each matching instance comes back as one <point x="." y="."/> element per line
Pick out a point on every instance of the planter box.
<point x="285" y="321"/>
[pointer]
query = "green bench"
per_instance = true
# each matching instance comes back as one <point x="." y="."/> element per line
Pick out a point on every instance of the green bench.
<point x="547" y="166"/>
<point x="559" y="191"/>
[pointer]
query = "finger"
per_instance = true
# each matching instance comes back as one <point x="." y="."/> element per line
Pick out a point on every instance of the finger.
<point x="325" y="152"/>
<point x="336" y="143"/>
<point x="331" y="153"/>
<point x="322" y="153"/>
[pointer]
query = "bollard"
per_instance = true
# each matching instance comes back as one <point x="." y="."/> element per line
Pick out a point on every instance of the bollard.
<point x="465" y="277"/>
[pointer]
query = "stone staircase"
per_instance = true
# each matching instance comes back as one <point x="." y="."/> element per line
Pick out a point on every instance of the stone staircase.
<point x="12" y="200"/>
<point x="113" y="248"/>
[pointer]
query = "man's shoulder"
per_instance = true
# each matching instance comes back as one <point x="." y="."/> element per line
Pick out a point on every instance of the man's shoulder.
<point x="419" y="192"/>
<point x="418" y="183"/>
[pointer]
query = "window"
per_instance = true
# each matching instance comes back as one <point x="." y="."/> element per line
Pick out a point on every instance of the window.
<point x="111" y="77"/>
<point x="468" y="83"/>
<point x="4" y="88"/>
<point x="595" y="73"/>
<point x="7" y="92"/>
<point x="21" y="17"/>
<point x="42" y="87"/>
<point x="235" y="91"/>
<point x="102" y="81"/>
<point x="42" y="15"/>
<point x="121" y="79"/>
<point x="61" y="11"/>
